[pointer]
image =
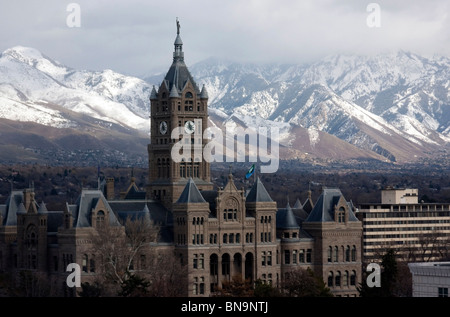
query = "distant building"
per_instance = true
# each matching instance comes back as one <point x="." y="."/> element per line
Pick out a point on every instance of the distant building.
<point x="417" y="231"/>
<point x="430" y="279"/>
<point x="399" y="196"/>
<point x="217" y="233"/>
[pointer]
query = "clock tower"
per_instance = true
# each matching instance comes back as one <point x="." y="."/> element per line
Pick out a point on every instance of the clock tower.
<point x="178" y="102"/>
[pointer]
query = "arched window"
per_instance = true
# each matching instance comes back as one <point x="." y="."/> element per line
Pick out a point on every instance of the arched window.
<point x="330" y="279"/>
<point x="336" y="254"/>
<point x="100" y="220"/>
<point x="353" y="278"/>
<point x="354" y="253"/>
<point x="330" y="253"/>
<point x="85" y="263"/>
<point x="345" y="279"/>
<point x="337" y="280"/>
<point x="347" y="254"/>
<point x="188" y="95"/>
<point x="92" y="264"/>
<point x="341" y="215"/>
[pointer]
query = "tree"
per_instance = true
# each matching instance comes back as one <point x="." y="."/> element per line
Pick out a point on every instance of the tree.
<point x="304" y="283"/>
<point x="91" y="290"/>
<point x="265" y="290"/>
<point x="118" y="247"/>
<point x="395" y="279"/>
<point x="134" y="286"/>
<point x="236" y="287"/>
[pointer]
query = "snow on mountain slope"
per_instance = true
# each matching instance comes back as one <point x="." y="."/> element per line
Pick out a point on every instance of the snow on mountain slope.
<point x="34" y="78"/>
<point x="399" y="96"/>
<point x="396" y="105"/>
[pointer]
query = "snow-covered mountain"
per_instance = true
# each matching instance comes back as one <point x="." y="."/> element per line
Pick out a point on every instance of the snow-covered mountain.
<point x="392" y="107"/>
<point x="397" y="105"/>
<point x="30" y="80"/>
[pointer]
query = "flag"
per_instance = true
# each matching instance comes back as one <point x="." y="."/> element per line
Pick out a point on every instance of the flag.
<point x="250" y="172"/>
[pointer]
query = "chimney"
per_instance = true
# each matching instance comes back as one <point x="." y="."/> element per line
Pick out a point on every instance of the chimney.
<point x="110" y="188"/>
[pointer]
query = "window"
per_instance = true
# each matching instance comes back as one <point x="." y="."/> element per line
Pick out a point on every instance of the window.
<point x="330" y="253"/>
<point x="100" y="218"/>
<point x="353" y="278"/>
<point x="269" y="258"/>
<point x="347" y="254"/>
<point x="287" y="257"/>
<point x="201" y="262"/>
<point x="443" y="292"/>
<point x="341" y="215"/>
<point x="263" y="258"/>
<point x="301" y="256"/>
<point x="309" y="255"/>
<point x="354" y="253"/>
<point x="85" y="262"/>
<point x="195" y="262"/>
<point x="345" y="279"/>
<point x="337" y="280"/>
<point x="336" y="254"/>
<point x="92" y="264"/>
<point x="294" y="256"/>
<point x="330" y="279"/>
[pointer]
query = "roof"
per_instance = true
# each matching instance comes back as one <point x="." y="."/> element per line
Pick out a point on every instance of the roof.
<point x="152" y="210"/>
<point x="87" y="201"/>
<point x="323" y="210"/>
<point x="258" y="193"/>
<point x="286" y="219"/>
<point x="191" y="194"/>
<point x="178" y="74"/>
<point x="12" y="207"/>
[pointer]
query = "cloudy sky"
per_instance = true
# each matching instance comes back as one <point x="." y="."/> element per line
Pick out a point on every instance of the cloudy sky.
<point x="136" y="37"/>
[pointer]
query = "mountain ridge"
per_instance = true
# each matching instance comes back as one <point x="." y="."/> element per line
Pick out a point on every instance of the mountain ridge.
<point x="389" y="107"/>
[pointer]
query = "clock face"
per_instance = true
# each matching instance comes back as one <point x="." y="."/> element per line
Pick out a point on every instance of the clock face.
<point x="163" y="127"/>
<point x="189" y="127"/>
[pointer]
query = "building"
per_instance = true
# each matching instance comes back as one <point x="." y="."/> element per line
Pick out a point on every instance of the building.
<point x="430" y="279"/>
<point x="417" y="231"/>
<point x="217" y="233"/>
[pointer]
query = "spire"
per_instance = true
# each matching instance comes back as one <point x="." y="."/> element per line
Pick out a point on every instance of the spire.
<point x="178" y="53"/>
<point x="191" y="194"/>
<point x="204" y="93"/>
<point x="287" y="220"/>
<point x="174" y="92"/>
<point x="258" y="193"/>
<point x="178" y="74"/>
<point x="298" y="204"/>
<point x="42" y="209"/>
<point x="153" y="94"/>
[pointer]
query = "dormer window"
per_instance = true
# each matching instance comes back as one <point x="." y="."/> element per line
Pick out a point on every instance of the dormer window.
<point x="100" y="219"/>
<point x="340" y="217"/>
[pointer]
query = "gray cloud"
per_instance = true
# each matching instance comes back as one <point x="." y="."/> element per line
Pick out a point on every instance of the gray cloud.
<point x="136" y="37"/>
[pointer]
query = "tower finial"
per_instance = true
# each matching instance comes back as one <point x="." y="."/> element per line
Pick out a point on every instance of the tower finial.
<point x="178" y="26"/>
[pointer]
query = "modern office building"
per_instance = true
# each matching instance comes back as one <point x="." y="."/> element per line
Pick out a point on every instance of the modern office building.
<point x="417" y="231"/>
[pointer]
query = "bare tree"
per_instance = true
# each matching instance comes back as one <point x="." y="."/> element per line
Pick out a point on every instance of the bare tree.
<point x="118" y="246"/>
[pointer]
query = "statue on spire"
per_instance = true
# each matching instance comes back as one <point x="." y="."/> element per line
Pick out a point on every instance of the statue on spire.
<point x="178" y="26"/>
